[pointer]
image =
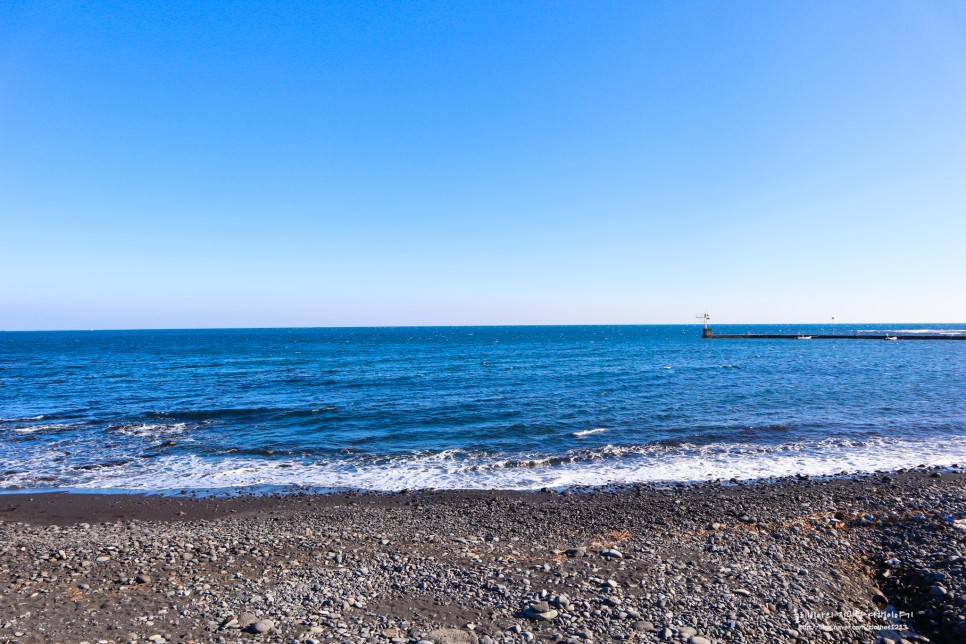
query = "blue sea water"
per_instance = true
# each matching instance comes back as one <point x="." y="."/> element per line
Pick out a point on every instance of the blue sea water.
<point x="467" y="407"/>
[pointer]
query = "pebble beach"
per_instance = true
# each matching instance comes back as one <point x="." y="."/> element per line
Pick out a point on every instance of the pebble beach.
<point x="870" y="558"/>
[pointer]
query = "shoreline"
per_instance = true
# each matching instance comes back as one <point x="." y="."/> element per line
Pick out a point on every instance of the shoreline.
<point x="293" y="489"/>
<point x="777" y="561"/>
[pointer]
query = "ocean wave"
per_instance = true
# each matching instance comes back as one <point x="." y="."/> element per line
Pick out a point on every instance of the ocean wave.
<point x="459" y="469"/>
<point x="208" y="414"/>
<point x="588" y="432"/>
<point x="150" y="429"/>
<point x="242" y="413"/>
<point x="47" y="428"/>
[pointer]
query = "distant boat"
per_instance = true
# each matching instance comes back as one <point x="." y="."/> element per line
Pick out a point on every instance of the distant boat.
<point x="804" y="337"/>
<point x="891" y="337"/>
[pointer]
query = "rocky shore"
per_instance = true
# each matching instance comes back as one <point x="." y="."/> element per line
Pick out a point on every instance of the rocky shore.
<point x="854" y="559"/>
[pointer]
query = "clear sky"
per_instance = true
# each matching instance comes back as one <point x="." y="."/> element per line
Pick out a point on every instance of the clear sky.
<point x="236" y="164"/>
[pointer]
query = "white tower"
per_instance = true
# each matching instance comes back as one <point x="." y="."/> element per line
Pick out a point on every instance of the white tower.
<point x="707" y="330"/>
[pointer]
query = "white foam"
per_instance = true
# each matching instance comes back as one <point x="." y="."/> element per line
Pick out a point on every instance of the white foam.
<point x="588" y="432"/>
<point x="31" y="429"/>
<point x="151" y="429"/>
<point x="453" y="469"/>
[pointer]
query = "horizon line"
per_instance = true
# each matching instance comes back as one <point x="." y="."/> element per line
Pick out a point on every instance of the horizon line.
<point x="453" y="326"/>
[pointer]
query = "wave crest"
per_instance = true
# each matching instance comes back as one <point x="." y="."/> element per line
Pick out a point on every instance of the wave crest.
<point x="588" y="432"/>
<point x="460" y="469"/>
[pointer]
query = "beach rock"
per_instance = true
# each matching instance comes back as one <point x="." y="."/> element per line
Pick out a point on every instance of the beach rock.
<point x="937" y="591"/>
<point x="540" y="611"/>
<point x="560" y="601"/>
<point x="263" y="626"/>
<point x="451" y="636"/>
<point x="246" y="620"/>
<point x="612" y="553"/>
<point x="143" y="579"/>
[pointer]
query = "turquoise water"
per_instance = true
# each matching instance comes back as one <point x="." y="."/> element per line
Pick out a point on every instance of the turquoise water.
<point x="467" y="407"/>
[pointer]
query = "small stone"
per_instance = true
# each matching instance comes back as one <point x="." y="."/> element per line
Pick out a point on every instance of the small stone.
<point x="263" y="626"/>
<point x="697" y="639"/>
<point x="560" y="601"/>
<point x="451" y="636"/>
<point x="540" y="611"/>
<point x="611" y="553"/>
<point x="143" y="579"/>
<point x="576" y="552"/>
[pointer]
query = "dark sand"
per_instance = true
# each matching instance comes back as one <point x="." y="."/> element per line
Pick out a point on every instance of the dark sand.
<point x="793" y="560"/>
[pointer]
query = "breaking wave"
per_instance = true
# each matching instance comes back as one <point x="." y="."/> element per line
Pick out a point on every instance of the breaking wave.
<point x="460" y="469"/>
<point x="150" y="429"/>
<point x="588" y="432"/>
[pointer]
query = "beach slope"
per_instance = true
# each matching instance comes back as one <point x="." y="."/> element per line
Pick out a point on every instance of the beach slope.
<point x="843" y="560"/>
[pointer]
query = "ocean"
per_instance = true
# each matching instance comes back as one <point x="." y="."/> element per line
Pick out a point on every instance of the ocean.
<point x="514" y="407"/>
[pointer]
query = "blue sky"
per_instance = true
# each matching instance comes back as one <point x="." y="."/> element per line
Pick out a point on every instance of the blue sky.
<point x="316" y="164"/>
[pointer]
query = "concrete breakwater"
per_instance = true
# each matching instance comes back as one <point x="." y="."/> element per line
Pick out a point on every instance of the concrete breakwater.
<point x="710" y="335"/>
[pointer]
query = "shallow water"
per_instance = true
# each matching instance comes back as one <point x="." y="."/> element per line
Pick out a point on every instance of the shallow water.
<point x="468" y="407"/>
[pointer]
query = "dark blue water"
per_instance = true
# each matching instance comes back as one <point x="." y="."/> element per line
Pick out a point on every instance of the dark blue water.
<point x="462" y="407"/>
